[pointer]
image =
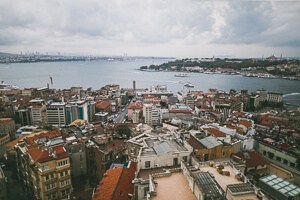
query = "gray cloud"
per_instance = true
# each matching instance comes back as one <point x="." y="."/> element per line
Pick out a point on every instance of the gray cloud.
<point x="169" y="27"/>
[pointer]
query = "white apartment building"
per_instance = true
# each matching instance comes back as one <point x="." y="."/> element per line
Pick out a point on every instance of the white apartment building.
<point x="37" y="111"/>
<point x="56" y="114"/>
<point x="274" y="97"/>
<point x="151" y="114"/>
<point x="153" y="151"/>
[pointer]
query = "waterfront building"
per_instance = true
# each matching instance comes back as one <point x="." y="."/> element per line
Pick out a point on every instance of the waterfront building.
<point x="274" y="97"/>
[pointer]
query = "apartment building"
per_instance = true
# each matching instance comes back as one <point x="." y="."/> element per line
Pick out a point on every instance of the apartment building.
<point x="50" y="172"/>
<point x="151" y="151"/>
<point x="37" y="111"/>
<point x="56" y="114"/>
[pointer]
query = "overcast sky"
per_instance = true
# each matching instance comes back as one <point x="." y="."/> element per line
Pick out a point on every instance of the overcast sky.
<point x="180" y="28"/>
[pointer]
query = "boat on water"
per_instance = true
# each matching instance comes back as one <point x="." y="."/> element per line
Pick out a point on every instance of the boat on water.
<point x="181" y="75"/>
<point x="189" y="85"/>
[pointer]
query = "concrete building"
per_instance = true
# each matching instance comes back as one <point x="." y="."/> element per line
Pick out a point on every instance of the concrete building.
<point x="77" y="110"/>
<point x="3" y="189"/>
<point x="7" y="126"/>
<point x="240" y="191"/>
<point x="102" y="117"/>
<point x="286" y="159"/>
<point x="153" y="151"/>
<point x="44" y="166"/>
<point x="151" y="114"/>
<point x="4" y="139"/>
<point x="278" y="189"/>
<point x="209" y="148"/>
<point x="77" y="154"/>
<point x="56" y="114"/>
<point x="274" y="97"/>
<point x="37" y="111"/>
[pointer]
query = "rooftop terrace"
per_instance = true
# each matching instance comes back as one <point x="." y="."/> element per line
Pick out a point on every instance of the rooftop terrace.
<point x="173" y="187"/>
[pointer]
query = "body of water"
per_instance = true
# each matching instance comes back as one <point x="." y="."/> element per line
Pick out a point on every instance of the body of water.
<point x="96" y="74"/>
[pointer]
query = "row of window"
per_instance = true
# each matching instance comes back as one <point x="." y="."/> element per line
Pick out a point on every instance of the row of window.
<point x="54" y="194"/>
<point x="62" y="163"/>
<point x="62" y="184"/>
<point x="65" y="182"/>
<point x="279" y="159"/>
<point x="49" y="176"/>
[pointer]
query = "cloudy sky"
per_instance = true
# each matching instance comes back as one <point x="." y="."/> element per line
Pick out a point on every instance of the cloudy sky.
<point x="180" y="28"/>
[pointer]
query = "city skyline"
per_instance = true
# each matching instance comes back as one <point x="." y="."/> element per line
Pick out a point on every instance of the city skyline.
<point x="150" y="28"/>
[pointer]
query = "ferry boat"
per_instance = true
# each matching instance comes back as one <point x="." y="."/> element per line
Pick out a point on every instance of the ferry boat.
<point x="189" y="85"/>
<point x="181" y="75"/>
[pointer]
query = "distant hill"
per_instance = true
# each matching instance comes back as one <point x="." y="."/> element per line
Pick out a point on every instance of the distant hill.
<point x="3" y="54"/>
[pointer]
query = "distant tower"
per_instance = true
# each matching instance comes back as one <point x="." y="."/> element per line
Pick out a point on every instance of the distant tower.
<point x="134" y="86"/>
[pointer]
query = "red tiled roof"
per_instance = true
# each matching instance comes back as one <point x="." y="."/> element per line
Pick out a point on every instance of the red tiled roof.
<point x="180" y="111"/>
<point x="102" y="104"/>
<point x="135" y="105"/>
<point x="215" y="132"/>
<point x="41" y="155"/>
<point x="246" y="123"/>
<point x="238" y="114"/>
<point x="116" y="184"/>
<point x="252" y="158"/>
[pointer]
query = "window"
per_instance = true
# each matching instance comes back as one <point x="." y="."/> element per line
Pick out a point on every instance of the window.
<point x="264" y="152"/>
<point x="64" y="173"/>
<point x="45" y="167"/>
<point x="62" y="163"/>
<point x="147" y="164"/>
<point x="49" y="176"/>
<point x="292" y="164"/>
<point x="278" y="158"/>
<point x="50" y="186"/>
<point x="285" y="161"/>
<point x="65" y="192"/>
<point x="271" y="155"/>
<point x="51" y="196"/>
<point x="184" y="158"/>
<point x="65" y="182"/>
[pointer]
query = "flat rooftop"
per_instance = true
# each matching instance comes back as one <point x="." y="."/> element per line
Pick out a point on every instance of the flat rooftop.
<point x="222" y="180"/>
<point x="173" y="187"/>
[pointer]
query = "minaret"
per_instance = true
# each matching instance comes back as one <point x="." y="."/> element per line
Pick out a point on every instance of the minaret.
<point x="134" y="88"/>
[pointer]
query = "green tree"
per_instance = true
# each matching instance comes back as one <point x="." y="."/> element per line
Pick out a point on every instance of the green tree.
<point x="124" y="130"/>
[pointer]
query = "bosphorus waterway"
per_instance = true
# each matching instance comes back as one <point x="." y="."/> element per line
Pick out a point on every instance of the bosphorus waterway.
<point x="96" y="74"/>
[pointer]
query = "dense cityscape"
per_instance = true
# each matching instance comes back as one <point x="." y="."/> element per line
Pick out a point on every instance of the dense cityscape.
<point x="149" y="100"/>
<point x="131" y="143"/>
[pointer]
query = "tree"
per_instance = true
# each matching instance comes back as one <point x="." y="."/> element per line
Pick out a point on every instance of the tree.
<point x="124" y="130"/>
